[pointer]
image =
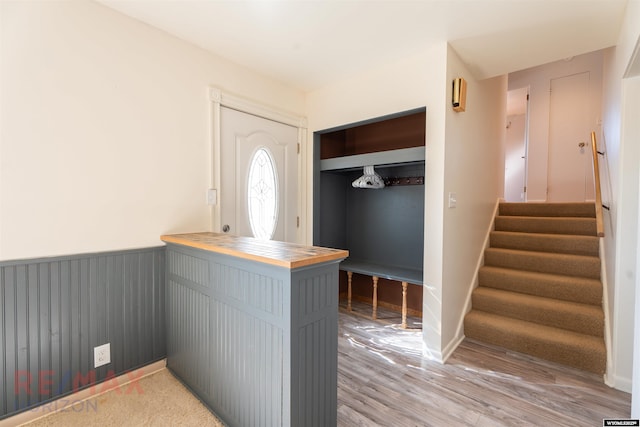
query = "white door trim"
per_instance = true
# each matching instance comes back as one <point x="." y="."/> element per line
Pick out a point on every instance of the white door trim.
<point x="221" y="99"/>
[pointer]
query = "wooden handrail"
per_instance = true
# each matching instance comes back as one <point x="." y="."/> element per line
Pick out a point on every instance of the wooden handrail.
<point x="596" y="176"/>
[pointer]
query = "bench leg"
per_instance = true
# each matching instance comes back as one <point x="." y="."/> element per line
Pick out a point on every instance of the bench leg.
<point x="349" y="278"/>
<point x="375" y="298"/>
<point x="404" y="305"/>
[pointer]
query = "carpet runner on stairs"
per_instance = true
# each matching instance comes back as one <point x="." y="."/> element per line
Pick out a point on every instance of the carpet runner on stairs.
<point x="539" y="291"/>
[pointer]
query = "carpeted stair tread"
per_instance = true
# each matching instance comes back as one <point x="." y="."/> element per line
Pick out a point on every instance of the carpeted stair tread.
<point x="576" y="317"/>
<point x="567" y="288"/>
<point x="582" y="351"/>
<point x="547" y="225"/>
<point x="539" y="290"/>
<point x="548" y="209"/>
<point x="541" y="242"/>
<point x="541" y="262"/>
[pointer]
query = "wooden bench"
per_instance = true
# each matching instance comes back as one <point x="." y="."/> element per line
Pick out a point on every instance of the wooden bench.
<point x="376" y="271"/>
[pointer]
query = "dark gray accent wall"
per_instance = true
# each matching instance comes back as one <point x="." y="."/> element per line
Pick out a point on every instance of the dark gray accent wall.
<point x="54" y="311"/>
<point x="384" y="226"/>
<point x="322" y="229"/>
<point x="256" y="342"/>
<point x="332" y="219"/>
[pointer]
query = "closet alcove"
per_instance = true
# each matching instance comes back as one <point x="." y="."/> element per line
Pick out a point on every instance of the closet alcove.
<point x="383" y="229"/>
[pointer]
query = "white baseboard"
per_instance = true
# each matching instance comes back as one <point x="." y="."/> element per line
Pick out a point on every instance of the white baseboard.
<point x="474" y="281"/>
<point x="64" y="403"/>
<point x="451" y="347"/>
<point x="622" y="384"/>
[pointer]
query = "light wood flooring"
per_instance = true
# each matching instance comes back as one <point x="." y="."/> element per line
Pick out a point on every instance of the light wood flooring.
<point x="383" y="380"/>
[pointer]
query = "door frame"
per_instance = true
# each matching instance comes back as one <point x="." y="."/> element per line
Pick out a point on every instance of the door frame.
<point x="219" y="99"/>
<point x="527" y="115"/>
<point x="527" y="111"/>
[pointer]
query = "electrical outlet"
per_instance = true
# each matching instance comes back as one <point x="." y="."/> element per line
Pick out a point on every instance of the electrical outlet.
<point x="102" y="355"/>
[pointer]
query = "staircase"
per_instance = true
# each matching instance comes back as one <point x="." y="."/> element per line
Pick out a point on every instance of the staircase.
<point x="539" y="291"/>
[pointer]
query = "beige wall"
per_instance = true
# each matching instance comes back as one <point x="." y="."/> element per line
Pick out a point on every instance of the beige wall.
<point x="105" y="140"/>
<point x="620" y="133"/>
<point x="474" y="170"/>
<point x="538" y="80"/>
<point x="413" y="82"/>
<point x="468" y="160"/>
<point x="633" y="130"/>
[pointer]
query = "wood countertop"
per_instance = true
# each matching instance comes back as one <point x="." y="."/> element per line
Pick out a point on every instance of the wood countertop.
<point x="283" y="254"/>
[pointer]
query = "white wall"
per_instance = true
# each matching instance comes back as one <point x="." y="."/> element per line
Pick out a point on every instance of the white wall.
<point x="105" y="139"/>
<point x="414" y="82"/>
<point x="632" y="133"/>
<point x="619" y="134"/>
<point x="474" y="170"/>
<point x="538" y="80"/>
<point x="514" y="163"/>
<point x="473" y="167"/>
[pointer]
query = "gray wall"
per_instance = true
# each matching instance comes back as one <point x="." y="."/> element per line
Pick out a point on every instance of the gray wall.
<point x="55" y="310"/>
<point x="384" y="226"/>
<point x="257" y="343"/>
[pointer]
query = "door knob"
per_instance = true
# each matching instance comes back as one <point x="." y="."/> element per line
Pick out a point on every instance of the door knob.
<point x="581" y="145"/>
<point x="226" y="228"/>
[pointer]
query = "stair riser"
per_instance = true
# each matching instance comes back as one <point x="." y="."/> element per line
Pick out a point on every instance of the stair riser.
<point x="576" y="245"/>
<point x="575" y="226"/>
<point x="591" y="323"/>
<point x="591" y="358"/>
<point x="568" y="265"/>
<point x="581" y="290"/>
<point x="539" y="290"/>
<point x="551" y="210"/>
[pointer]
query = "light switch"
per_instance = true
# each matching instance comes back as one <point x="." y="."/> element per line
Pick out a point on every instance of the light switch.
<point x="212" y="196"/>
<point x="452" y="200"/>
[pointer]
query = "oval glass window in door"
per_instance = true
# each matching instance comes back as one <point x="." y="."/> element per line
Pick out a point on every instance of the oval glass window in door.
<point x="262" y="195"/>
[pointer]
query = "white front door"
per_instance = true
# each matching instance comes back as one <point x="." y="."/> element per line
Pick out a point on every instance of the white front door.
<point x="570" y="173"/>
<point x="259" y="176"/>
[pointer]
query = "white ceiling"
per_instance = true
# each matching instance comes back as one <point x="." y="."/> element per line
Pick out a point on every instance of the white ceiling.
<point x="309" y="44"/>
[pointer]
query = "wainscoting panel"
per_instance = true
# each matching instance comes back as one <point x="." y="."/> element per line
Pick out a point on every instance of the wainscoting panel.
<point x="257" y="343"/>
<point x="316" y="344"/>
<point x="54" y="311"/>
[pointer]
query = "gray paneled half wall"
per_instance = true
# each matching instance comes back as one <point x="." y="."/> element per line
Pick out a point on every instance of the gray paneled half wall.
<point x="54" y="311"/>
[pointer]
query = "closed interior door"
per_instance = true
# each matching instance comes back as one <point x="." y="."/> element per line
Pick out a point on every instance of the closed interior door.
<point x="259" y="176"/>
<point x="570" y="170"/>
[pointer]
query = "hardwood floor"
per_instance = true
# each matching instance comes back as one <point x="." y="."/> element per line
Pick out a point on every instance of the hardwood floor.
<point x="383" y="380"/>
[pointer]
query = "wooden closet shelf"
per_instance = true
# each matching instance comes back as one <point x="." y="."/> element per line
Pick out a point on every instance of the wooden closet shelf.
<point x="390" y="272"/>
<point x="381" y="158"/>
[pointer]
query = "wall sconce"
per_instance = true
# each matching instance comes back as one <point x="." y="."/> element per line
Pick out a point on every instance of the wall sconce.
<point x="459" y="95"/>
